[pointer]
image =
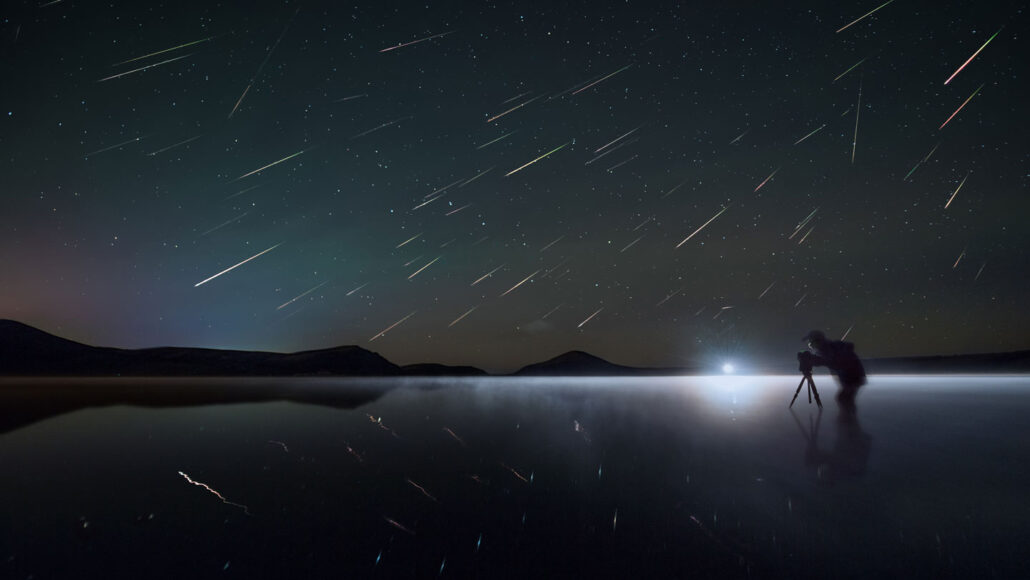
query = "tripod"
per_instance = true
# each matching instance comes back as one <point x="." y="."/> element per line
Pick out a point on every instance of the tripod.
<point x="811" y="390"/>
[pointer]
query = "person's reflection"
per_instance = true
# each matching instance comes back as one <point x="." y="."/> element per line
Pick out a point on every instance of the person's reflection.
<point x="847" y="458"/>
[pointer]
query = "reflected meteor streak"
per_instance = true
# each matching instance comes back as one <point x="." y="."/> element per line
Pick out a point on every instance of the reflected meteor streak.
<point x="964" y="103"/>
<point x="143" y="68"/>
<point x="272" y="164"/>
<point x="291" y="301"/>
<point x="218" y="495"/>
<point x="391" y="327"/>
<point x="164" y="51"/>
<point x="205" y="281"/>
<point x="394" y="523"/>
<point x="596" y="312"/>
<point x="956" y="190"/>
<point x="860" y="18"/>
<point x="403" y="44"/>
<point x="423" y="490"/>
<point x="515" y="473"/>
<point x="972" y="57"/>
<point x="556" y="149"/>
<point x="487" y="275"/>
<point x="424" y="267"/>
<point x="524" y="280"/>
<point x="454" y="435"/>
<point x="515" y="108"/>
<point x="602" y="79"/>
<point x="702" y="226"/>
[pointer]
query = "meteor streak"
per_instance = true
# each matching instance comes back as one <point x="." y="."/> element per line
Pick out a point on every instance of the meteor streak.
<point x="589" y="317"/>
<point x="858" y="109"/>
<point x="702" y="226"/>
<point x="403" y="44"/>
<point x="739" y="137"/>
<point x="351" y="97"/>
<point x="960" y="107"/>
<point x="424" y="267"/>
<point x="122" y="144"/>
<point x="191" y="139"/>
<point x="678" y="185"/>
<point x="407" y="241"/>
<point x="956" y="190"/>
<point x="143" y="68"/>
<point x="518" y="96"/>
<point x="972" y="57"/>
<point x="621" y="163"/>
<point x="257" y="74"/>
<point x="850" y="69"/>
<point x="456" y="210"/>
<point x="391" y="327"/>
<point x="960" y="256"/>
<point x="602" y="79"/>
<point x="556" y="149"/>
<point x="383" y="126"/>
<point x="613" y="149"/>
<point x="617" y="139"/>
<point x="864" y="15"/>
<point x="764" y="292"/>
<point x="223" y="224"/>
<point x="477" y="176"/>
<point x="515" y="108"/>
<point x="630" y="245"/>
<point x="847" y="332"/>
<point x="242" y="191"/>
<point x="666" y="299"/>
<point x="291" y="301"/>
<point x="508" y="134"/>
<point x="552" y="243"/>
<point x="810" y="134"/>
<point x="356" y="289"/>
<point x="487" y="275"/>
<point x="766" y="180"/>
<point x="272" y="164"/>
<point x="164" y="51"/>
<point x="218" y="495"/>
<point x="206" y="280"/>
<point x="524" y="280"/>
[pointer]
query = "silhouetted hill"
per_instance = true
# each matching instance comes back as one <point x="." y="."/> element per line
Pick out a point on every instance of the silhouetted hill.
<point x="438" y="370"/>
<point x="577" y="363"/>
<point x="28" y="351"/>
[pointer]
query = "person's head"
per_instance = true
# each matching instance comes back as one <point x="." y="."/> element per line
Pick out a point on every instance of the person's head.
<point x="815" y="339"/>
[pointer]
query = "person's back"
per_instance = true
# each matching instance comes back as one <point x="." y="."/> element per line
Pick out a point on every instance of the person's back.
<point x="840" y="358"/>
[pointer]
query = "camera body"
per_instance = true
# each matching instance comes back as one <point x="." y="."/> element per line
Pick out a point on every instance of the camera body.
<point x="806" y="361"/>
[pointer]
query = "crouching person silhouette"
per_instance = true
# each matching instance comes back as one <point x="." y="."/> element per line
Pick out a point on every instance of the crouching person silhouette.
<point x="840" y="358"/>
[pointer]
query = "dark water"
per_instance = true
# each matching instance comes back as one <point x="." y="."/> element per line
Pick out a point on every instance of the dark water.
<point x="685" y="477"/>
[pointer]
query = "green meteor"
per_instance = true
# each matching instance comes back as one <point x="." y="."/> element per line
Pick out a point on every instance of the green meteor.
<point x="164" y="51"/>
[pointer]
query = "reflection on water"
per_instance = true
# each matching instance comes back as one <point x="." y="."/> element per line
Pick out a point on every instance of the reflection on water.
<point x="664" y="477"/>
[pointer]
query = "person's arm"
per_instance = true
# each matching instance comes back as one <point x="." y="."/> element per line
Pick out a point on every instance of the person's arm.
<point x="807" y="360"/>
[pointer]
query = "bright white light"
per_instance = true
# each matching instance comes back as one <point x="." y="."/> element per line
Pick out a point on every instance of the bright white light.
<point x="727" y="368"/>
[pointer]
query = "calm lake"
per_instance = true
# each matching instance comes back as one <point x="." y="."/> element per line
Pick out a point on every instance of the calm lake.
<point x="709" y="477"/>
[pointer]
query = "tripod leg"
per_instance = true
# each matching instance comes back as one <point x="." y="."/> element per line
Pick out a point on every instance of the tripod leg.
<point x="796" y="392"/>
<point x="811" y="385"/>
<point x="809" y="389"/>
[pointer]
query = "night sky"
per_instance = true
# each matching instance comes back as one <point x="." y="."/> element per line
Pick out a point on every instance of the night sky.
<point x="128" y="177"/>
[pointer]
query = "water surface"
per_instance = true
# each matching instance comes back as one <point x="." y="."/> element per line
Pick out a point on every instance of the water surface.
<point x="501" y="477"/>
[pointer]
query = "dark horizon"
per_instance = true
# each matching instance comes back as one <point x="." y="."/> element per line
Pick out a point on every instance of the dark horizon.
<point x="501" y="184"/>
